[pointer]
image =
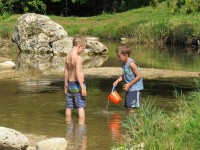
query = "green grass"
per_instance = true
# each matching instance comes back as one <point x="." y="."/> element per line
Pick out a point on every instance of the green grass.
<point x="5" y="32"/>
<point x="161" y="131"/>
<point x="144" y="25"/>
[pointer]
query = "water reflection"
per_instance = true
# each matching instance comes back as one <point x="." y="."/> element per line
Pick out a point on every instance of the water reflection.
<point x="52" y="64"/>
<point x="76" y="135"/>
<point x="159" y="57"/>
<point x="114" y="124"/>
<point x="40" y="85"/>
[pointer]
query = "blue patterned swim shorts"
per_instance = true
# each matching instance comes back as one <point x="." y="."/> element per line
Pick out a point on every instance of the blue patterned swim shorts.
<point x="74" y="98"/>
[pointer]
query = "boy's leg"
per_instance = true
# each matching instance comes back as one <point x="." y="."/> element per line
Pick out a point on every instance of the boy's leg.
<point x="69" y="106"/>
<point x="132" y="101"/>
<point x="81" y="113"/>
<point x="68" y="114"/>
<point x="81" y="104"/>
<point x="81" y="121"/>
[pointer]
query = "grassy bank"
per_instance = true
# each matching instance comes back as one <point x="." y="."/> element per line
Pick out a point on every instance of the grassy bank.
<point x="160" y="131"/>
<point x="144" y="25"/>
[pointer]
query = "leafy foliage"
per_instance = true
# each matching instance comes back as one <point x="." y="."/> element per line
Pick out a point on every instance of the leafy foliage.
<point x="5" y="8"/>
<point x="72" y="7"/>
<point x="187" y="6"/>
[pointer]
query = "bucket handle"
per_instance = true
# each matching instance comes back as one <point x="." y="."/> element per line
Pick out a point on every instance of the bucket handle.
<point x="114" y="86"/>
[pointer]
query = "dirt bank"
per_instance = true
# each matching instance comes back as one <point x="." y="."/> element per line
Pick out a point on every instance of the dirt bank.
<point x="147" y="73"/>
<point x="109" y="72"/>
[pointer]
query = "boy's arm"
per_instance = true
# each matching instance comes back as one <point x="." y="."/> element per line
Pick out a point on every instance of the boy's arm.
<point x="79" y="75"/>
<point x="66" y="70"/>
<point x="135" y="70"/>
<point x="118" y="80"/>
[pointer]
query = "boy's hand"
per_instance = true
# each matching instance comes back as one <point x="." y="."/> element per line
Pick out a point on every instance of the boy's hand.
<point x="84" y="92"/>
<point x="65" y="88"/>
<point x="126" y="87"/>
<point x="115" y="83"/>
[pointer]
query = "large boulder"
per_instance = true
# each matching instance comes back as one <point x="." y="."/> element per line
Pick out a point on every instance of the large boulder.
<point x="35" y="32"/>
<point x="12" y="140"/>
<point x="38" y="33"/>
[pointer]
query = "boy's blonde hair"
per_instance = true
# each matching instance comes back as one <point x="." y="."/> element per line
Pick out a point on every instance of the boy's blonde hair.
<point x="124" y="49"/>
<point x="79" y="40"/>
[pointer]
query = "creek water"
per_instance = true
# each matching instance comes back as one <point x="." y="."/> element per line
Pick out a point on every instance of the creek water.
<point x="37" y="105"/>
<point x="163" y="57"/>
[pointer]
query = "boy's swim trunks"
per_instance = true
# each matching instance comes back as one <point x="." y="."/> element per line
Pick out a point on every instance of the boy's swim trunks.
<point x="74" y="97"/>
<point x="133" y="99"/>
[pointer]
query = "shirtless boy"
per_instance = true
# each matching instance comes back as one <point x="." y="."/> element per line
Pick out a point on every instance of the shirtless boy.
<point x="75" y="87"/>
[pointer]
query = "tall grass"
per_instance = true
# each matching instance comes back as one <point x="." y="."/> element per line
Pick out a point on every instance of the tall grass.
<point x="161" y="131"/>
<point x="5" y="32"/>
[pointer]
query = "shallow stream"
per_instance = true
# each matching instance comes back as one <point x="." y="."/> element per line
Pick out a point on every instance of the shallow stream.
<point x="37" y="105"/>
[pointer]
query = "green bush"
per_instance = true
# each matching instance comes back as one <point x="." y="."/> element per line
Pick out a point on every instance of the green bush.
<point x="187" y="6"/>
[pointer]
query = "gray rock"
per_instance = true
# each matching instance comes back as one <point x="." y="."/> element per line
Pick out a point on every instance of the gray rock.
<point x="52" y="144"/>
<point x="35" y="32"/>
<point x="38" y="33"/>
<point x="94" y="46"/>
<point x="12" y="140"/>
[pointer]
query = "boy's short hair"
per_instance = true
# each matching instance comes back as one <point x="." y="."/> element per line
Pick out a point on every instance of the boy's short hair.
<point x="124" y="49"/>
<point x="79" y="40"/>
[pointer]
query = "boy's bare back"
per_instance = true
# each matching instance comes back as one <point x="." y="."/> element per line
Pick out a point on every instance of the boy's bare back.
<point x="73" y="62"/>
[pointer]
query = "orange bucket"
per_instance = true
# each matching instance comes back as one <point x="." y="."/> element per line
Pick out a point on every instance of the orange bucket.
<point x="114" y="96"/>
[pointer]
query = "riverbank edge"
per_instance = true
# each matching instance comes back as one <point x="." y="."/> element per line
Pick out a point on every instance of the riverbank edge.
<point x="104" y="72"/>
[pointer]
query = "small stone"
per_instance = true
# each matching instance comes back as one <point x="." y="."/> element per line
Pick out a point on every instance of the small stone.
<point x="7" y="64"/>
